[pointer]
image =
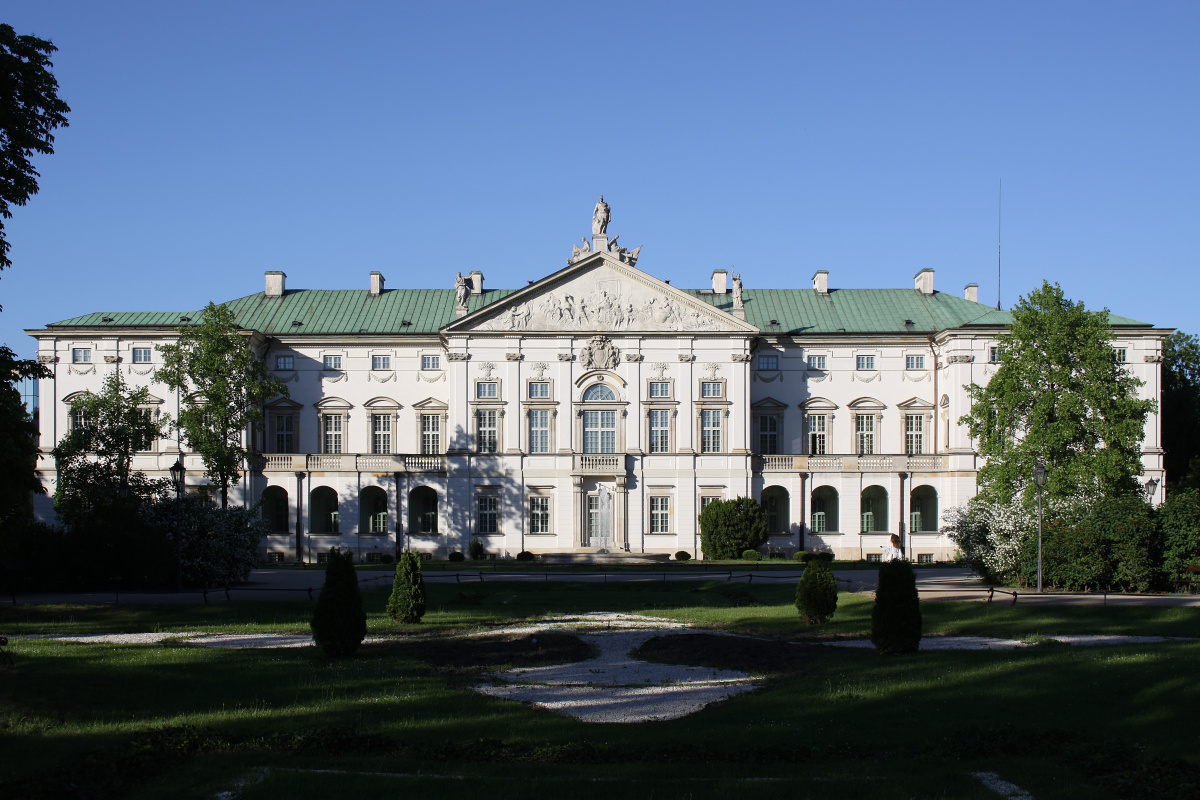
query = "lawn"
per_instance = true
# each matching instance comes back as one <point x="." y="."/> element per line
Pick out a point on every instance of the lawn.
<point x="94" y="720"/>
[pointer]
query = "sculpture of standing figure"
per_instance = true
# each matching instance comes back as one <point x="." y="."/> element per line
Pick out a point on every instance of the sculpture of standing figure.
<point x="600" y="218"/>
<point x="737" y="290"/>
<point x="461" y="290"/>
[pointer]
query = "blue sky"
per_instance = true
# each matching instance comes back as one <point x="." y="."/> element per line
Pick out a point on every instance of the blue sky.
<point x="210" y="142"/>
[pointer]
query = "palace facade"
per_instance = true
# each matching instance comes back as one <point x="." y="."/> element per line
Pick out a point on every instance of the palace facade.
<point x="597" y="408"/>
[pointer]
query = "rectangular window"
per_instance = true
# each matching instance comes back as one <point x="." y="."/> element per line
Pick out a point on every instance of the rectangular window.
<point x="914" y="362"/>
<point x="768" y="434"/>
<point x="381" y="362"/>
<point x="660" y="514"/>
<point x="994" y="355"/>
<point x="816" y="362"/>
<point x="539" y="515"/>
<point x="710" y="389"/>
<point x="487" y="433"/>
<point x="914" y="434"/>
<point x="539" y="431"/>
<point x="868" y="515"/>
<point x="816" y="434"/>
<point x="874" y="558"/>
<point x="710" y="431"/>
<point x="864" y="434"/>
<point x="924" y="558"/>
<point x="489" y="513"/>
<point x="916" y="520"/>
<point x="865" y="362"/>
<point x="285" y="362"/>
<point x="1120" y="353"/>
<point x="431" y="362"/>
<point x="332" y="362"/>
<point x="381" y="433"/>
<point x="285" y="433"/>
<point x="539" y="390"/>
<point x="599" y="431"/>
<point x="81" y="355"/>
<point x="819" y="520"/>
<point x="660" y="389"/>
<point x="593" y="518"/>
<point x="704" y="501"/>
<point x="431" y="434"/>
<point x="75" y="419"/>
<point x="141" y="355"/>
<point x="486" y="390"/>
<point x="333" y="433"/>
<point x="377" y="522"/>
<point x="768" y="362"/>
<point x="660" y="431"/>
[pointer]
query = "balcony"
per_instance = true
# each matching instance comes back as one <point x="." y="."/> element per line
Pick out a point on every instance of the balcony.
<point x="599" y="464"/>
<point x="852" y="463"/>
<point x="352" y="462"/>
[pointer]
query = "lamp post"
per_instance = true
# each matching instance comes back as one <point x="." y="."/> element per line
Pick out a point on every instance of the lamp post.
<point x="1151" y="486"/>
<point x="1039" y="478"/>
<point x="177" y="477"/>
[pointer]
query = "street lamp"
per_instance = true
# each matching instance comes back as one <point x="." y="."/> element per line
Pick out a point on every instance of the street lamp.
<point x="1039" y="478"/>
<point x="177" y="478"/>
<point x="1151" y="485"/>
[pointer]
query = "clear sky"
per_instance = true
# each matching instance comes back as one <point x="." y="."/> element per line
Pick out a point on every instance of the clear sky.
<point x="210" y="142"/>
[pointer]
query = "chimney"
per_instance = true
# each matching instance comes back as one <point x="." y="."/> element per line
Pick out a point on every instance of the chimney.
<point x="924" y="281"/>
<point x="821" y="281"/>
<point x="476" y="282"/>
<point x="276" y="281"/>
<point x="720" y="282"/>
<point x="376" y="284"/>
<point x="972" y="291"/>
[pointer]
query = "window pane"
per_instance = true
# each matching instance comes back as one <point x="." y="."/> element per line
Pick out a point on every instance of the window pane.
<point x="864" y="427"/>
<point x="333" y="433"/>
<point x="431" y="362"/>
<point x="660" y="431"/>
<point x="285" y="433"/>
<point x="539" y="515"/>
<point x="489" y="513"/>
<point x="485" y="391"/>
<point x="381" y="433"/>
<point x="599" y="393"/>
<point x="81" y="355"/>
<point x="914" y="434"/>
<point x="816" y="362"/>
<point x="539" y="390"/>
<point x="431" y="434"/>
<point x="488" y="435"/>
<point x="141" y="355"/>
<point x="660" y="514"/>
<point x="660" y="389"/>
<point x="539" y="431"/>
<point x="914" y="362"/>
<point x="710" y="389"/>
<point x="768" y="434"/>
<point x="866" y="362"/>
<point x="381" y="362"/>
<point x="283" y="362"/>
<point x="710" y="431"/>
<point x="768" y="362"/>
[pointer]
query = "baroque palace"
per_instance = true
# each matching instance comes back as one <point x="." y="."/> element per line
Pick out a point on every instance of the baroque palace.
<point x="598" y="408"/>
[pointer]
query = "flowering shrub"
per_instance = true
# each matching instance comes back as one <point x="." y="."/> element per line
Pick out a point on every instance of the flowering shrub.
<point x="217" y="546"/>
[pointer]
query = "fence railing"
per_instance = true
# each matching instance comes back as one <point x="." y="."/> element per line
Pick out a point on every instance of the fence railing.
<point x="851" y="463"/>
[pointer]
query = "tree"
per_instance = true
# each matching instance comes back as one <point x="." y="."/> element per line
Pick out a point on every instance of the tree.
<point x="29" y="113"/>
<point x="339" y="622"/>
<point x="224" y="385"/>
<point x="896" y="615"/>
<point x="18" y="441"/>
<point x="730" y="527"/>
<point x="407" y="603"/>
<point x="816" y="593"/>
<point x="1060" y="397"/>
<point x="1181" y="409"/>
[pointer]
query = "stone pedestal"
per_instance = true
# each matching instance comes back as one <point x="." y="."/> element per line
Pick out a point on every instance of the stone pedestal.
<point x="600" y="243"/>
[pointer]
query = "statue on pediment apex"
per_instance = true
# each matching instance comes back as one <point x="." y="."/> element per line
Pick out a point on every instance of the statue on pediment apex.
<point x="600" y="216"/>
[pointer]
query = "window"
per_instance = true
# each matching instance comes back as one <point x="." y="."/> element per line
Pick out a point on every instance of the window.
<point x="539" y="390"/>
<point x="914" y="434"/>
<point x="660" y="389"/>
<point x="539" y="431"/>
<point x="816" y="362"/>
<point x="381" y="433"/>
<point x="381" y="362"/>
<point x="710" y="389"/>
<point x="539" y="515"/>
<point x="593" y="518"/>
<point x="486" y="390"/>
<point x="599" y="431"/>
<point x="874" y="558"/>
<point x="994" y="355"/>
<point x="704" y="501"/>
<point x="868" y="514"/>
<point x="924" y="558"/>
<point x="816" y="434"/>
<point x="916" y="519"/>
<point x="914" y="362"/>
<point x="431" y="362"/>
<point x="285" y="362"/>
<point x="488" y="507"/>
<point x="599" y="393"/>
<point x="710" y="431"/>
<point x="487" y="433"/>
<point x="141" y="355"/>
<point x="81" y="355"/>
<point x="333" y="433"/>
<point x="819" y="518"/>
<point x="864" y="434"/>
<point x="660" y="514"/>
<point x="332" y="362"/>
<point x="865" y="362"/>
<point x="285" y="433"/>
<point x="75" y="419"/>
<point x="768" y="434"/>
<point x="660" y="431"/>
<point x="768" y="362"/>
<point x="1120" y="353"/>
<point x="431" y="434"/>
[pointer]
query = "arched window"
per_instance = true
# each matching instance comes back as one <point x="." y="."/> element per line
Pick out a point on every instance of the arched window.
<point x="873" y="510"/>
<point x="423" y="511"/>
<point x="923" y="511"/>
<point x="372" y="511"/>
<point x="599" y="393"/>
<point x="775" y="501"/>
<point x="275" y="509"/>
<point x="825" y="510"/>
<point x="323" y="510"/>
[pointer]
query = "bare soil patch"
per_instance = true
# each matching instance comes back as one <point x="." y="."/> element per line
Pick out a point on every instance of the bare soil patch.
<point x="539" y="649"/>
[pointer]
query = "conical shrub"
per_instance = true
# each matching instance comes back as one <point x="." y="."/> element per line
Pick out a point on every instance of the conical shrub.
<point x="339" y="622"/>
<point x="407" y="603"/>
<point x="816" y="594"/>
<point x="896" y="617"/>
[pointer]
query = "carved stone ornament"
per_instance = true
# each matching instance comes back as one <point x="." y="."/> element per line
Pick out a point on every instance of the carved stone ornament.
<point x="658" y="368"/>
<point x="47" y="359"/>
<point x="634" y="356"/>
<point x="712" y="368"/>
<point x="81" y="370"/>
<point x="136" y="371"/>
<point x="335" y="377"/>
<point x="441" y="376"/>
<point x="778" y="376"/>
<point x="487" y="367"/>
<point x="539" y="369"/>
<point x="961" y="359"/>
<point x="457" y="356"/>
<point x="858" y="376"/>
<point x="686" y="357"/>
<point x="566" y="356"/>
<point x="374" y="376"/>
<point x="599" y="353"/>
<point x="1152" y="359"/>
<point x="111" y="359"/>
<point x="740" y="358"/>
<point x="915" y="377"/>
<point x="514" y="356"/>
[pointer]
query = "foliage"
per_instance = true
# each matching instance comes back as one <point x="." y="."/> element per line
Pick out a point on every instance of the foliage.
<point x="896" y="615"/>
<point x="1181" y="409"/>
<point x="525" y="555"/>
<point x="816" y="593"/>
<point x="729" y="527"/>
<point x="455" y="556"/>
<point x="18" y="442"/>
<point x="407" y="603"/>
<point x="1059" y="397"/>
<point x="1179" y="520"/>
<point x="799" y="555"/>
<point x="683" y="555"/>
<point x="1116" y="545"/>
<point x="30" y="110"/>
<point x="218" y="546"/>
<point x="751" y="555"/>
<point x="224" y="385"/>
<point x="339" y="621"/>
<point x="475" y="548"/>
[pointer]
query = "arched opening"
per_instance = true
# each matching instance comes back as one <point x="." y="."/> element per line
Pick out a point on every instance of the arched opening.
<point x="372" y="511"/>
<point x="423" y="511"/>
<point x="323" y="510"/>
<point x="923" y="510"/>
<point x="775" y="501"/>
<point x="599" y="393"/>
<point x="825" y="510"/>
<point x="874" y="509"/>
<point x="275" y="509"/>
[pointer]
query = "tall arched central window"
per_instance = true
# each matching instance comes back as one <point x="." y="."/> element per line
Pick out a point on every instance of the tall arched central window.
<point x="599" y="427"/>
<point x="599" y="393"/>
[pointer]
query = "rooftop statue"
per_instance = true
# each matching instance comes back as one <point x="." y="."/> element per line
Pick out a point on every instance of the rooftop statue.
<point x="461" y="290"/>
<point x="737" y="290"/>
<point x="600" y="218"/>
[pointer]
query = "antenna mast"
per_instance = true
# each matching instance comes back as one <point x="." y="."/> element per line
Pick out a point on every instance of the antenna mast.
<point x="999" y="222"/>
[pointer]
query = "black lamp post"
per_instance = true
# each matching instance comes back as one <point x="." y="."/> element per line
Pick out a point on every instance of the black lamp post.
<point x="177" y="477"/>
<point x="1039" y="478"/>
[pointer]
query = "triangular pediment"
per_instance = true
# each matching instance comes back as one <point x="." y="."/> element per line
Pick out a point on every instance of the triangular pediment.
<point x="915" y="403"/>
<point x="600" y="294"/>
<point x="768" y="403"/>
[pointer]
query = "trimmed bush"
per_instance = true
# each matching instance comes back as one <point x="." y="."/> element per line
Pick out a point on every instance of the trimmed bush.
<point x="799" y="555"/>
<point x="751" y="555"/>
<point x="525" y="555"/>
<point x="816" y="594"/>
<point x="386" y="558"/>
<point x="896" y="617"/>
<point x="455" y="556"/>
<point x="729" y="527"/>
<point x="475" y="549"/>
<point x="683" y="555"/>
<point x="1179" y="519"/>
<point x="339" y="622"/>
<point x="407" y="603"/>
